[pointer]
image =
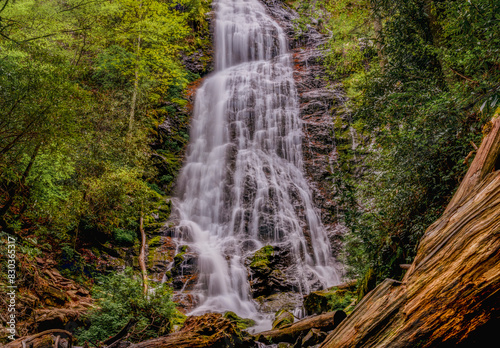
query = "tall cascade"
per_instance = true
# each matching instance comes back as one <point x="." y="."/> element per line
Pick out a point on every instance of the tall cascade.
<point x="242" y="186"/>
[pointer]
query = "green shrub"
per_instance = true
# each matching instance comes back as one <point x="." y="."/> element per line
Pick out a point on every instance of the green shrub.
<point x="119" y="298"/>
<point x="124" y="237"/>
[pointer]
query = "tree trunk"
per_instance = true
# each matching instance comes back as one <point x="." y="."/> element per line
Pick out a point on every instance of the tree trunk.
<point x="437" y="39"/>
<point x="14" y="189"/>
<point x="377" y="26"/>
<point x="142" y="256"/>
<point x="486" y="160"/>
<point x="121" y="334"/>
<point x="136" y="88"/>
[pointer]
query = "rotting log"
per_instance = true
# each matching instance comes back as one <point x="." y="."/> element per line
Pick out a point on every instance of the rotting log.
<point x="211" y="330"/>
<point x="46" y="339"/>
<point x="451" y="293"/>
<point x="290" y="333"/>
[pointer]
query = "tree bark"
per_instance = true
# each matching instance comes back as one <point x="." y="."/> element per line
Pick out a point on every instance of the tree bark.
<point x="377" y="26"/>
<point x="142" y="256"/>
<point x="40" y="339"/>
<point x="136" y="88"/>
<point x="485" y="162"/>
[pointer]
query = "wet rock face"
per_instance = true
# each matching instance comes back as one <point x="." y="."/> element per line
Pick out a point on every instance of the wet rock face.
<point x="319" y="101"/>
<point x="270" y="271"/>
<point x="276" y="302"/>
<point x="183" y="271"/>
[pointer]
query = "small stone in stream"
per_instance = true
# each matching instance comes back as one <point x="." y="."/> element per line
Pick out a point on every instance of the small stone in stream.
<point x="282" y="318"/>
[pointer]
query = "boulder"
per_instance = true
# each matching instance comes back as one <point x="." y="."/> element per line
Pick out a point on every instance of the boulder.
<point x="241" y="323"/>
<point x="332" y="299"/>
<point x="283" y="318"/>
<point x="312" y="338"/>
<point x="271" y="270"/>
<point x="279" y="301"/>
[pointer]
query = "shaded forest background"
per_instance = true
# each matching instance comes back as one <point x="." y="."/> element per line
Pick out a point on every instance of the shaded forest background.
<point x="94" y="116"/>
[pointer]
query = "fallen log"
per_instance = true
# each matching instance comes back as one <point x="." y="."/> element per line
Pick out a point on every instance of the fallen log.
<point x="290" y="333"/>
<point x="47" y="339"/>
<point x="211" y="330"/>
<point x="486" y="161"/>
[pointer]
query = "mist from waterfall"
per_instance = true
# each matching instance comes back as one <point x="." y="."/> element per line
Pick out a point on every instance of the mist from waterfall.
<point x="242" y="185"/>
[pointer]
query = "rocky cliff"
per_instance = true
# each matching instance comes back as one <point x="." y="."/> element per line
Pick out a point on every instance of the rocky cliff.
<point x="321" y="103"/>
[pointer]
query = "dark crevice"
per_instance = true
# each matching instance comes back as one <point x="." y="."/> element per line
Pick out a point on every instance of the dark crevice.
<point x="497" y="164"/>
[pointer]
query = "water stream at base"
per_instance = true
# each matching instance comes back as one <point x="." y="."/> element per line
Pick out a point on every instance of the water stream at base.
<point x="242" y="185"/>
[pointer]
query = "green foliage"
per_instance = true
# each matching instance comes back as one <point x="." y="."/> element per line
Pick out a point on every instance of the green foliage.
<point x="124" y="237"/>
<point x="422" y="79"/>
<point x="340" y="300"/>
<point x="120" y="298"/>
<point x="71" y="170"/>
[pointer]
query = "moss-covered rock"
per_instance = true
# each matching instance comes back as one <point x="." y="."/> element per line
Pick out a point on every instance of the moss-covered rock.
<point x="154" y="242"/>
<point x="179" y="258"/>
<point x="282" y="319"/>
<point x="184" y="271"/>
<point x="333" y="299"/>
<point x="271" y="269"/>
<point x="261" y="259"/>
<point x="241" y="323"/>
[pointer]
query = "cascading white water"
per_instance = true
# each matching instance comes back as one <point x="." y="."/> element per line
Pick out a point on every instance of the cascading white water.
<point x="242" y="184"/>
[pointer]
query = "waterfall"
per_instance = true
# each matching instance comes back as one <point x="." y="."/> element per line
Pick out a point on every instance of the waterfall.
<point x="242" y="184"/>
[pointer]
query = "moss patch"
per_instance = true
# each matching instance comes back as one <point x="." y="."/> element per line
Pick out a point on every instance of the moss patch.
<point x="333" y="299"/>
<point x="282" y="319"/>
<point x="260" y="259"/>
<point x="241" y="323"/>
